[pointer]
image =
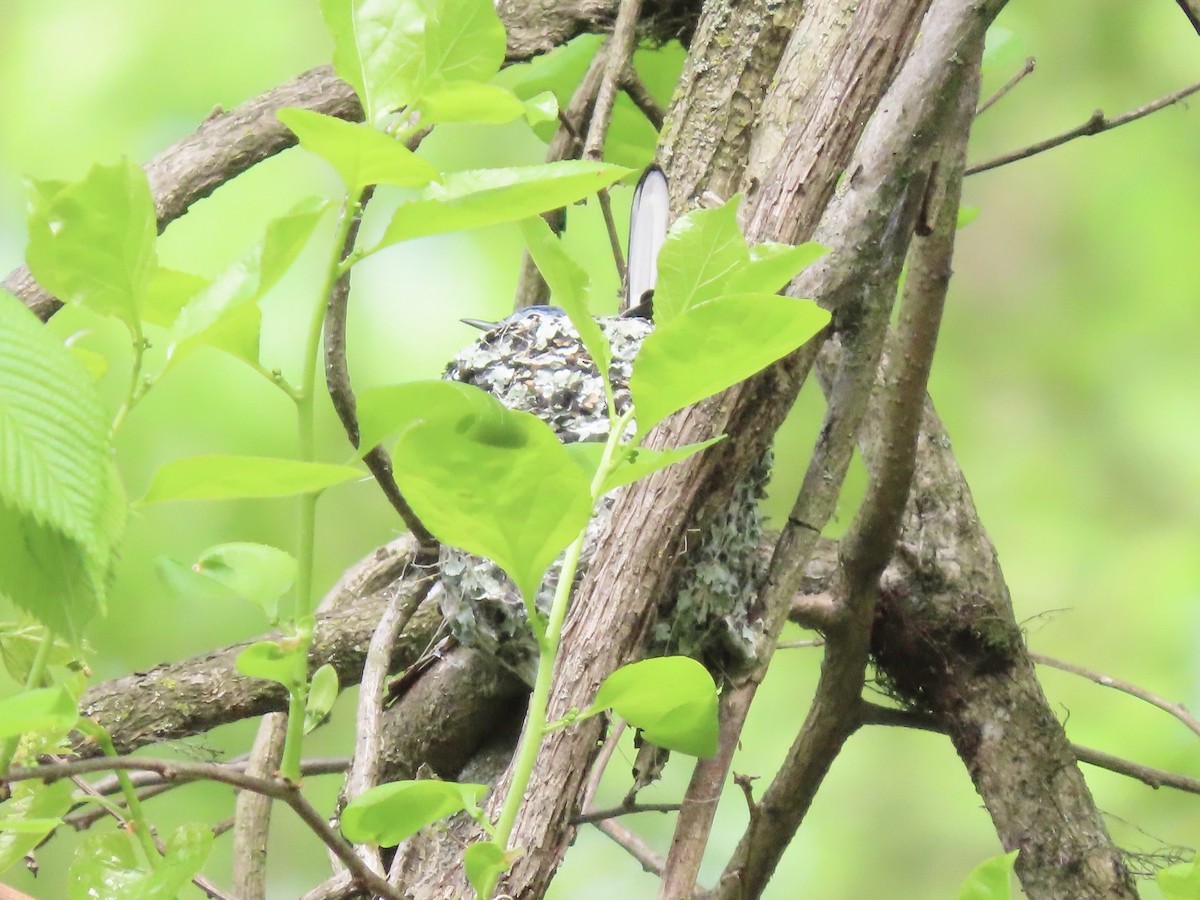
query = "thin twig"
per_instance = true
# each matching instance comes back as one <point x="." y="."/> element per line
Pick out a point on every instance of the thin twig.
<point x="617" y="55"/>
<point x="615" y="812"/>
<point x="610" y="225"/>
<point x="276" y="788"/>
<point x="1097" y="124"/>
<point x="1027" y="69"/>
<point x="1177" y="710"/>
<point x="601" y="763"/>
<point x="636" y="91"/>
<point x="633" y="844"/>
<point x="252" y="811"/>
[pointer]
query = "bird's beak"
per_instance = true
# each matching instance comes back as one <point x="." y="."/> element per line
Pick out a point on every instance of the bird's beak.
<point x="479" y="323"/>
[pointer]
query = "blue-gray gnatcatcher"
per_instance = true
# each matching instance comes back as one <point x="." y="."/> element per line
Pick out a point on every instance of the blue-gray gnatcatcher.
<point x="534" y="361"/>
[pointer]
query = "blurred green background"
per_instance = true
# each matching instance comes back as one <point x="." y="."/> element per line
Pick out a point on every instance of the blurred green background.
<point x="1068" y="376"/>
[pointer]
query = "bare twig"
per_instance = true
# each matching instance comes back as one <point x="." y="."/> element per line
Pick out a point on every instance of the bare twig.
<point x="610" y="225"/>
<point x="1027" y="69"/>
<point x="813" y="611"/>
<point x="601" y="764"/>
<point x="632" y="85"/>
<point x="1178" y="710"/>
<point x="1097" y="124"/>
<point x="252" y="811"/>
<point x="633" y="844"/>
<point x="616" y="58"/>
<point x="615" y="812"/>
<point x="275" y="788"/>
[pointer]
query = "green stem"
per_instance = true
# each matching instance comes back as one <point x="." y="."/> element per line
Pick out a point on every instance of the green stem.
<point x="535" y="720"/>
<point x="135" y="814"/>
<point x="307" y="513"/>
<point x="37" y="670"/>
<point x="136" y="388"/>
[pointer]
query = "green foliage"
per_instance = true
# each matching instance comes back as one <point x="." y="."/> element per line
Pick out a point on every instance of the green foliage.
<point x="484" y="861"/>
<point x="322" y="694"/>
<point x="93" y="242"/>
<point x="254" y="572"/>
<point x="44" y="709"/>
<point x="233" y="477"/>
<point x="672" y="699"/>
<point x="61" y="502"/>
<point x="19" y="642"/>
<point x="494" y="482"/>
<point x="634" y="465"/>
<point x="393" y="812"/>
<point x="32" y="812"/>
<point x="108" y="865"/>
<point x="273" y="661"/>
<point x="1179" y="882"/>
<point x="990" y="880"/>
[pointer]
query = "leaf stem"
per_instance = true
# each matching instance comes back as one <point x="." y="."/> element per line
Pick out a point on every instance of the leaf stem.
<point x="536" y="726"/>
<point x="135" y="814"/>
<point x="37" y="670"/>
<point x="136" y="389"/>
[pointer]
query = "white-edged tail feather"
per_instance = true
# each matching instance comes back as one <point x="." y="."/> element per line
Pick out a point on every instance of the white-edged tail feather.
<point x="648" y="222"/>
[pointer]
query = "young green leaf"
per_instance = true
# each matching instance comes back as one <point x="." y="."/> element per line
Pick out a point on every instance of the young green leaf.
<point x="541" y="108"/>
<point x="254" y="572"/>
<point x="44" y="709"/>
<point x="716" y="345"/>
<point x="966" y="215"/>
<point x="224" y="314"/>
<point x="772" y="267"/>
<point x="385" y="410"/>
<point x="322" y="694"/>
<point x="703" y="249"/>
<point x="496" y="483"/>
<point x="567" y="282"/>
<point x="635" y="465"/>
<point x="108" y="865"/>
<point x="484" y="862"/>
<point x="464" y="41"/>
<point x="360" y="154"/>
<point x="239" y="477"/>
<point x="990" y="880"/>
<point x="672" y="699"/>
<point x="167" y="292"/>
<point x="390" y="813"/>
<point x="61" y="511"/>
<point x="19" y="643"/>
<point x="378" y="50"/>
<point x="1180" y="881"/>
<point x="482" y="197"/>
<point x="470" y="101"/>
<point x="271" y="661"/>
<point x="92" y="242"/>
<point x="95" y="363"/>
<point x="32" y="812"/>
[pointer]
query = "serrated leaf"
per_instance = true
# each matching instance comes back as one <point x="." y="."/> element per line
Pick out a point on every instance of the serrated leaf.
<point x="480" y="197"/>
<point x="32" y="812"/>
<point x="224" y="313"/>
<point x="484" y="862"/>
<point x="237" y="477"/>
<point x="495" y="482"/>
<point x="271" y="661"/>
<point x="58" y="518"/>
<point x="702" y="251"/>
<point x="108" y="865"/>
<point x="322" y="694"/>
<point x="92" y="242"/>
<point x="390" y="813"/>
<point x="470" y="101"/>
<point x="254" y="572"/>
<point x="716" y="345"/>
<point x="772" y="267"/>
<point x="360" y="154"/>
<point x="672" y="699"/>
<point x="990" y="880"/>
<point x="568" y="283"/>
<point x="44" y="709"/>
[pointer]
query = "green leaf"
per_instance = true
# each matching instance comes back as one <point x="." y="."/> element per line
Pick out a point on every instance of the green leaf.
<point x="167" y="293"/>
<point x="482" y="197"/>
<point x="567" y="282"/>
<point x="772" y="267"/>
<point x="360" y="154"/>
<point x="224" y="314"/>
<point x="470" y="101"/>
<point x="1179" y="882"/>
<point x="32" y="812"/>
<point x="966" y="215"/>
<point x="484" y="862"/>
<point x="390" y="813"/>
<point x="44" y="709"/>
<point x="703" y="249"/>
<point x="464" y="41"/>
<point x="92" y="242"/>
<point x="95" y="363"/>
<point x="108" y="865"/>
<point x="496" y="483"/>
<point x="1003" y="52"/>
<point x="61" y="512"/>
<point x="271" y="661"/>
<point x="643" y="461"/>
<point x="237" y="477"/>
<point x="19" y="643"/>
<point x="672" y="699"/>
<point x="322" y="694"/>
<point x="541" y="108"/>
<point x="716" y="345"/>
<point x="254" y="572"/>
<point x="385" y="410"/>
<point x="990" y="879"/>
